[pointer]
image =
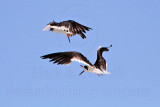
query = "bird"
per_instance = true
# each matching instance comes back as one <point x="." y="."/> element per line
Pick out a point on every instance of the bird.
<point x="65" y="58"/>
<point x="69" y="27"/>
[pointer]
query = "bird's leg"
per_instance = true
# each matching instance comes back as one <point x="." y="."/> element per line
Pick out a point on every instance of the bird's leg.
<point x="81" y="73"/>
<point x="98" y="74"/>
<point x="68" y="37"/>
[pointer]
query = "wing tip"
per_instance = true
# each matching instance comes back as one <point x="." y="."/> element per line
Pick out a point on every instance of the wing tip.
<point x="82" y="35"/>
<point x="42" y="57"/>
<point x="46" y="28"/>
<point x="99" y="48"/>
<point x="90" y="28"/>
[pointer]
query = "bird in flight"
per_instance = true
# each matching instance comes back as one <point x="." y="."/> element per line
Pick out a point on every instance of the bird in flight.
<point x="65" y="58"/>
<point x="69" y="27"/>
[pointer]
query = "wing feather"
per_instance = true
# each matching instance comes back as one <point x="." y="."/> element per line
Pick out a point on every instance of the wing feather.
<point x="101" y="62"/>
<point x="75" y="27"/>
<point x="65" y="58"/>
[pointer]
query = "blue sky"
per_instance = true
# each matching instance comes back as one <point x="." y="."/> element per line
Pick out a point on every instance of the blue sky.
<point x="131" y="26"/>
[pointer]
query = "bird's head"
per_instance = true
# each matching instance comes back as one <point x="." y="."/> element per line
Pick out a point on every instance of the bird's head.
<point x="85" y="68"/>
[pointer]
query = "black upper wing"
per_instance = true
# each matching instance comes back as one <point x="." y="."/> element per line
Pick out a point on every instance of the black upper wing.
<point x="65" y="58"/>
<point x="101" y="62"/>
<point x="75" y="27"/>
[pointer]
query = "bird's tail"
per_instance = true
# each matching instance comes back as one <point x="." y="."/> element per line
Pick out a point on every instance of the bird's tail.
<point x="82" y="35"/>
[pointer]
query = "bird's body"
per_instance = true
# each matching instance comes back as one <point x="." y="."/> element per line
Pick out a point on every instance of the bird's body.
<point x="69" y="28"/>
<point x="65" y="58"/>
<point x="93" y="69"/>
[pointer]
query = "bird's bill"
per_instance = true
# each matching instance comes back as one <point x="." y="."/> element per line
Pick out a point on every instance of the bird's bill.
<point x="47" y="27"/>
<point x="81" y="73"/>
<point x="82" y="66"/>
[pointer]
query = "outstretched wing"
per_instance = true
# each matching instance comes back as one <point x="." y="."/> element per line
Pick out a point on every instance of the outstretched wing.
<point x="65" y="58"/>
<point x="75" y="27"/>
<point x="101" y="63"/>
<point x="47" y="27"/>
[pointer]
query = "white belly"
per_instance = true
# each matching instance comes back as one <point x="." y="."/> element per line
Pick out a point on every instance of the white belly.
<point x="97" y="71"/>
<point x="60" y="29"/>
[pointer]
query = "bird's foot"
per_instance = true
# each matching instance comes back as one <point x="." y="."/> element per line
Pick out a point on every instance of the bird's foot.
<point x="68" y="37"/>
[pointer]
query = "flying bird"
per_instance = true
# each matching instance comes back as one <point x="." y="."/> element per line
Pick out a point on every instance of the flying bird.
<point x="69" y="27"/>
<point x="65" y="58"/>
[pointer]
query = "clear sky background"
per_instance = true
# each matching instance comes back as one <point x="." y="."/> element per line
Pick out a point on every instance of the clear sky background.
<point x="131" y="26"/>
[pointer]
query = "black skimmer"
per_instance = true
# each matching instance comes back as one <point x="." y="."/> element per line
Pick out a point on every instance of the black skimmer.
<point x="69" y="27"/>
<point x="65" y="58"/>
